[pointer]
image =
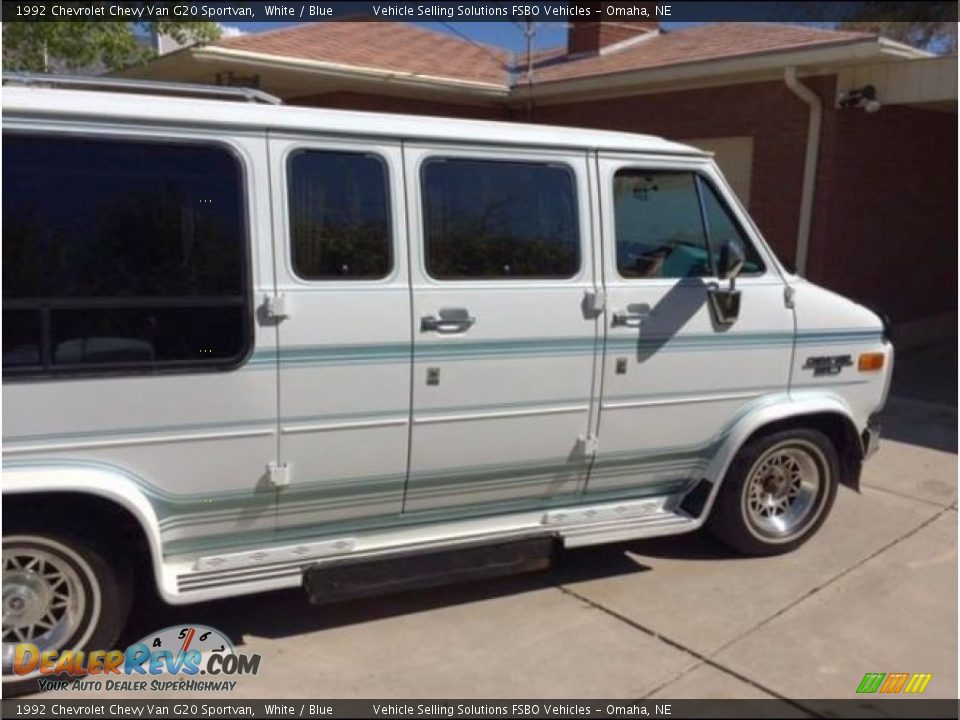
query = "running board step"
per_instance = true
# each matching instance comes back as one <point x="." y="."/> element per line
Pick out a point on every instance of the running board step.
<point x="349" y="579"/>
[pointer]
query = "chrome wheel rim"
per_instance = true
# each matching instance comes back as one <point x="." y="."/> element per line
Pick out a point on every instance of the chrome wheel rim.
<point x="43" y="600"/>
<point x="785" y="490"/>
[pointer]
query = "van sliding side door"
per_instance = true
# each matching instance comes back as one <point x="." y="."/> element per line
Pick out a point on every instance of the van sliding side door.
<point x="502" y="269"/>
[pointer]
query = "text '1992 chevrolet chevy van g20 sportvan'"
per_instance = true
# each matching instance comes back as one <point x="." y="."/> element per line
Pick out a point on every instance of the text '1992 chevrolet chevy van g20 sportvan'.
<point x="249" y="347"/>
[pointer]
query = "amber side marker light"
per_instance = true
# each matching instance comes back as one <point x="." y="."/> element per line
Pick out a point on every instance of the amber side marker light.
<point x="870" y="362"/>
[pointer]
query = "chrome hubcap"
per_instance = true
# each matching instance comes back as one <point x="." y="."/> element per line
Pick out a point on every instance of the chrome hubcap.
<point x="784" y="489"/>
<point x="43" y="601"/>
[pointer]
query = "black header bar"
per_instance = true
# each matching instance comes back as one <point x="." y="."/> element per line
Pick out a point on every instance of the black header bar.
<point x="43" y="709"/>
<point x="475" y="11"/>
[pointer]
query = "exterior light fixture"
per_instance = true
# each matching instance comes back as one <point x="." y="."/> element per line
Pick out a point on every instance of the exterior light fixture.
<point x="865" y="97"/>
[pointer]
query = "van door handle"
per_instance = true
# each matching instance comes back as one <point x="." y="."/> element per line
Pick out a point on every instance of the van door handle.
<point x="627" y="319"/>
<point x="451" y="320"/>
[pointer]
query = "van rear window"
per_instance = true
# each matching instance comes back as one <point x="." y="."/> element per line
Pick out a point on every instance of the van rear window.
<point x="122" y="256"/>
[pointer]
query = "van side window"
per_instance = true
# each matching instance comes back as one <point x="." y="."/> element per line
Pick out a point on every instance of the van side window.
<point x="671" y="224"/>
<point x="486" y="219"/>
<point x="659" y="229"/>
<point x="122" y="255"/>
<point x="339" y="216"/>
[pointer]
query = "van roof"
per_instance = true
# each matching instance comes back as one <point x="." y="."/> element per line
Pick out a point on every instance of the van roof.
<point x="113" y="106"/>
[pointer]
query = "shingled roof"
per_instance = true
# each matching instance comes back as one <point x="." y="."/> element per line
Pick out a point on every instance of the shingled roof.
<point x="403" y="59"/>
<point x="407" y="48"/>
<point x="688" y="45"/>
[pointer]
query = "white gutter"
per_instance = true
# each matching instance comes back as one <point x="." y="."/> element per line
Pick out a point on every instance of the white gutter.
<point x="809" y="165"/>
<point x="892" y="47"/>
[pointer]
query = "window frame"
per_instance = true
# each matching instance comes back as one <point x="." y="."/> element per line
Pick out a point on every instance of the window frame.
<point x="699" y="176"/>
<point x="46" y="370"/>
<point x="288" y="158"/>
<point x="500" y="159"/>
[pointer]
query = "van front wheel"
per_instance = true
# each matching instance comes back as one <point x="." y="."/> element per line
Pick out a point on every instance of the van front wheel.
<point x="59" y="593"/>
<point x="777" y="493"/>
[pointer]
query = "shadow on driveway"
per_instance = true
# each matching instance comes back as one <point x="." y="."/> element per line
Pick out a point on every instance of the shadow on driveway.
<point x="928" y="374"/>
<point x="922" y="409"/>
<point x="919" y="423"/>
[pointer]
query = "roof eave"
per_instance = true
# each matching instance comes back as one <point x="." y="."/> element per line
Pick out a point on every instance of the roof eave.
<point x="453" y="86"/>
<point x="810" y="59"/>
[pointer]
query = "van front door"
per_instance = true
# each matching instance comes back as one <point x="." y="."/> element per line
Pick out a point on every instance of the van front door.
<point x="504" y="352"/>
<point x="345" y="341"/>
<point x="674" y="379"/>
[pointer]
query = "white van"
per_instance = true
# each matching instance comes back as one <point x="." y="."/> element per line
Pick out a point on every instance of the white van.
<point x="249" y="347"/>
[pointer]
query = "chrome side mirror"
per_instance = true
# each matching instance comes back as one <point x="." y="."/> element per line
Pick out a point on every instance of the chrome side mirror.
<point x="725" y="304"/>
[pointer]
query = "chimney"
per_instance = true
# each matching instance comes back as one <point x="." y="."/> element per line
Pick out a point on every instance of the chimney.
<point x="591" y="36"/>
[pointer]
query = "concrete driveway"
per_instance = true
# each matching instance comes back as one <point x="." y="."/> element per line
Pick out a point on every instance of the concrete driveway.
<point x="875" y="591"/>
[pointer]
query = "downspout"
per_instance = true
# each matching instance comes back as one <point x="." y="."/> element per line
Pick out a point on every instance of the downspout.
<point x="809" y="165"/>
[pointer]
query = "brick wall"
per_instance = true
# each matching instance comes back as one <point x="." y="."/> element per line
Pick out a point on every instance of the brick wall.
<point x="885" y="225"/>
<point x="768" y="111"/>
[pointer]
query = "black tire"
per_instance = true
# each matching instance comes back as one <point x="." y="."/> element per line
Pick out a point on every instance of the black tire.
<point x="105" y="586"/>
<point x="736" y="518"/>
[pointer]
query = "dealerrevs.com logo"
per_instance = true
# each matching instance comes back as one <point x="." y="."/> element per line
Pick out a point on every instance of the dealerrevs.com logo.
<point x="191" y="657"/>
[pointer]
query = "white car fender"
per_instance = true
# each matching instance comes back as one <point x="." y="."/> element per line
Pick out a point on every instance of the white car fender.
<point x="112" y="484"/>
<point x="767" y="411"/>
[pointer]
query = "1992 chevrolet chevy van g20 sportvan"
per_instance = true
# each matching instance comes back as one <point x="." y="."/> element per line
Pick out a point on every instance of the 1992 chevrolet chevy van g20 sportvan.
<point x="249" y="347"/>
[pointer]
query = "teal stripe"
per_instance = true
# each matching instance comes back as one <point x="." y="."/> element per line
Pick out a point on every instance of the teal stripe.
<point x="345" y="354"/>
<point x="827" y="383"/>
<point x="685" y="343"/>
<point x="455" y="350"/>
<point x="131" y="432"/>
<point x="817" y="337"/>
<point x="153" y="492"/>
<point x="321" y="530"/>
<point x="492" y="407"/>
<point x="467" y="350"/>
<point x="697" y="393"/>
<point x="334" y="493"/>
<point x="134" y="431"/>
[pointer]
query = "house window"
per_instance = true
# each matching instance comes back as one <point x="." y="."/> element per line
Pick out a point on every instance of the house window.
<point x="339" y="216"/>
<point x="122" y="256"/>
<point x="499" y="220"/>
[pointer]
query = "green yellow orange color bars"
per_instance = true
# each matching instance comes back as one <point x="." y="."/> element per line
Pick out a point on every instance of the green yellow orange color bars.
<point x="894" y="682"/>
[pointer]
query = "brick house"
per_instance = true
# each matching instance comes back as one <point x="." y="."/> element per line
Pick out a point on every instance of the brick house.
<point x="864" y="202"/>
